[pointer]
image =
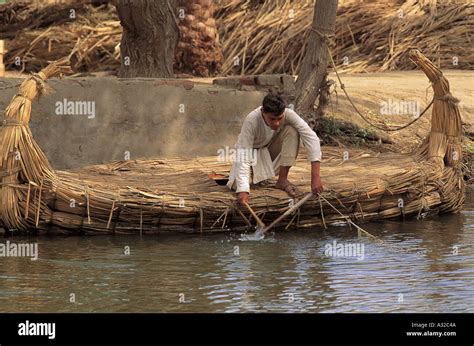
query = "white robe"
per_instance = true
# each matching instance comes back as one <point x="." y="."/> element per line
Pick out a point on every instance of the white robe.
<point x="255" y="134"/>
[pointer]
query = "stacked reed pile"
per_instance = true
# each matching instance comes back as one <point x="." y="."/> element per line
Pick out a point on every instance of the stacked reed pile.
<point x="179" y="195"/>
<point x="39" y="33"/>
<point x="370" y="36"/>
<point x="265" y="37"/>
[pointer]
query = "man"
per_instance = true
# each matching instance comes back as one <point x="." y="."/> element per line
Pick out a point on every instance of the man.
<point x="273" y="133"/>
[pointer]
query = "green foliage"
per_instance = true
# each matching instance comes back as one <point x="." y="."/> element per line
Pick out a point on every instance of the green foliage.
<point x="329" y="126"/>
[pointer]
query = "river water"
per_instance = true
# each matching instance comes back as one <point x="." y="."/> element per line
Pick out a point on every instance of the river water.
<point x="421" y="266"/>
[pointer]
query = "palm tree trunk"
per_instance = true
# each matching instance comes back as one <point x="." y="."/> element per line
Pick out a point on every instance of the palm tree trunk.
<point x="198" y="51"/>
<point x="314" y="67"/>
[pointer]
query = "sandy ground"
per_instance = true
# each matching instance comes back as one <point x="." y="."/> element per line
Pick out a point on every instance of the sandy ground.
<point x="370" y="91"/>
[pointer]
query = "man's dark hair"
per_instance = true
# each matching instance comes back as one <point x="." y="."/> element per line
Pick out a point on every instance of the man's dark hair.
<point x="273" y="104"/>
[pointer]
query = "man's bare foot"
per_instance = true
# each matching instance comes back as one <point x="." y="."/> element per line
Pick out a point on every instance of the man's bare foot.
<point x="288" y="187"/>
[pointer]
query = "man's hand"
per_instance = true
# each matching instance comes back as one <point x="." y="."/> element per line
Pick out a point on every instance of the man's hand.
<point x="316" y="185"/>
<point x="243" y="197"/>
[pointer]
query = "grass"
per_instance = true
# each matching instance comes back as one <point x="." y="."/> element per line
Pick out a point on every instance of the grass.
<point x="329" y="128"/>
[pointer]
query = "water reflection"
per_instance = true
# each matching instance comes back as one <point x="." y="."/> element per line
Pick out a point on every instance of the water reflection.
<point x="425" y="266"/>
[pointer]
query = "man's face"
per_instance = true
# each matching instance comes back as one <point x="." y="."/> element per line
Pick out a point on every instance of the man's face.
<point x="273" y="121"/>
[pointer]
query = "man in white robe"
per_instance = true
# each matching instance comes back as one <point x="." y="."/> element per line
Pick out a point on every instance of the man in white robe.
<point x="268" y="145"/>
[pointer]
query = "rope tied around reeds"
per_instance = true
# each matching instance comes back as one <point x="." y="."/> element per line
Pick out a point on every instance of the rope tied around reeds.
<point x="10" y="122"/>
<point x="40" y="79"/>
<point x="448" y="97"/>
<point x="10" y="172"/>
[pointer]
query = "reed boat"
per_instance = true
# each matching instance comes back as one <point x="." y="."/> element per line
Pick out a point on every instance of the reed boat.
<point x="189" y="195"/>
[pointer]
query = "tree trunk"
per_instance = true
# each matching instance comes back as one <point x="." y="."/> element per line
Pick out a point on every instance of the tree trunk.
<point x="314" y="67"/>
<point x="150" y="34"/>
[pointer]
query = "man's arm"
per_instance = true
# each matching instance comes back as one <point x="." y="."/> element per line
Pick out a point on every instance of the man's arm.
<point x="309" y="138"/>
<point x="244" y="142"/>
<point x="311" y="142"/>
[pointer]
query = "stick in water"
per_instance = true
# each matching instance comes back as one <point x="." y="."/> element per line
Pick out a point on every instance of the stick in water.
<point x="289" y="211"/>
<point x="348" y="220"/>
<point x="261" y="225"/>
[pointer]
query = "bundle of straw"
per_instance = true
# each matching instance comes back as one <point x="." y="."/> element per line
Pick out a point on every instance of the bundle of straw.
<point x="21" y="159"/>
<point x="39" y="33"/>
<point x="444" y="142"/>
<point x="443" y="145"/>
<point x="370" y="36"/>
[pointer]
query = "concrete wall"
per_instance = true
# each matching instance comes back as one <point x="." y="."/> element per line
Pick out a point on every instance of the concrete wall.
<point x="140" y="116"/>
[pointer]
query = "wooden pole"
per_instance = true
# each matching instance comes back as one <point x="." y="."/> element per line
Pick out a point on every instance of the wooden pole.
<point x="261" y="225"/>
<point x="2" y="51"/>
<point x="289" y="211"/>
<point x="348" y="220"/>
